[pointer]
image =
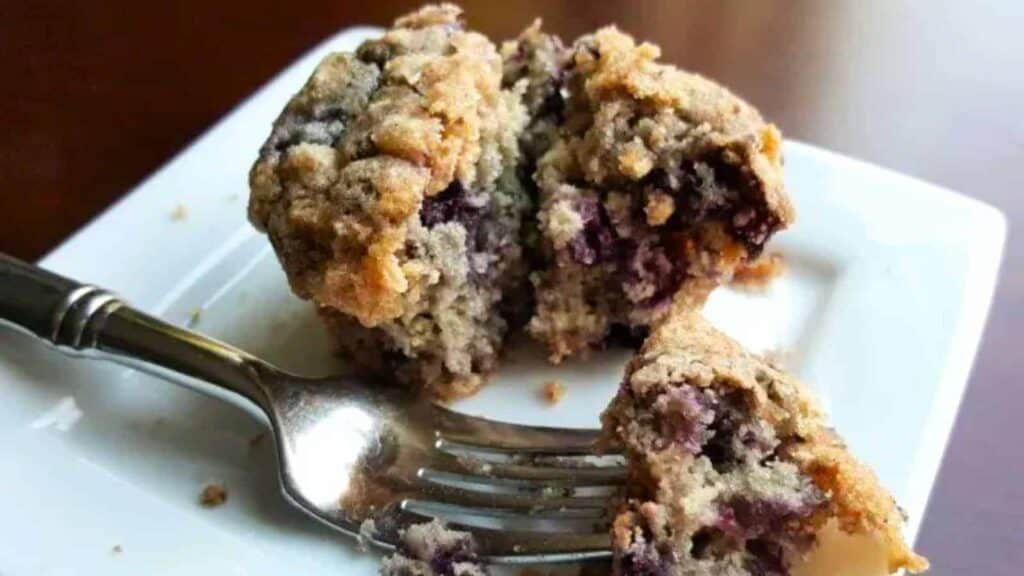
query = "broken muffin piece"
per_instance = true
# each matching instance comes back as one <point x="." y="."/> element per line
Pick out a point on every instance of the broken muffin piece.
<point x="534" y="63"/>
<point x="734" y="470"/>
<point x="430" y="549"/>
<point x="388" y="189"/>
<point x="655" y="176"/>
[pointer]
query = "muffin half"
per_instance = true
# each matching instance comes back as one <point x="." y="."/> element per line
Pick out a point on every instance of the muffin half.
<point x="653" y="177"/>
<point x="388" y="189"/>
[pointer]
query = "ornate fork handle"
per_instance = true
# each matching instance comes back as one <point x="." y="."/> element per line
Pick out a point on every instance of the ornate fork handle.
<point x="84" y="320"/>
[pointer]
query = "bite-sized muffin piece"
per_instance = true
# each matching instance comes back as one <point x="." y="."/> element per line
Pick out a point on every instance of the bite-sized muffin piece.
<point x="430" y="549"/>
<point x="389" y="191"/>
<point x="655" y="176"/>
<point x="734" y="470"/>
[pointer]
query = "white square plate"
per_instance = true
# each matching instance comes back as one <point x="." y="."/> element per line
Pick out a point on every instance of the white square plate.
<point x="881" y="311"/>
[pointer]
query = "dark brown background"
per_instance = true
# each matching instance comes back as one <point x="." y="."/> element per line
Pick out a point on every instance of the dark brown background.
<point x="95" y="95"/>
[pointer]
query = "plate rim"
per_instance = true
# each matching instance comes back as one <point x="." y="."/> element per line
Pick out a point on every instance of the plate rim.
<point x="988" y="228"/>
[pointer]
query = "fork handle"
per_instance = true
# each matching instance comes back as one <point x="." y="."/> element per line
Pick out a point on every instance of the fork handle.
<point x="83" y="320"/>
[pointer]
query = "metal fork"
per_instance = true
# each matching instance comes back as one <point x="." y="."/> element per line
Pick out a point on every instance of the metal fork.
<point x="368" y="461"/>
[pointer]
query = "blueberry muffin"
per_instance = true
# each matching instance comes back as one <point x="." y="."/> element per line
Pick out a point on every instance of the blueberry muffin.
<point x="735" y="472"/>
<point x="389" y="190"/>
<point x="430" y="549"/>
<point x="654" y="176"/>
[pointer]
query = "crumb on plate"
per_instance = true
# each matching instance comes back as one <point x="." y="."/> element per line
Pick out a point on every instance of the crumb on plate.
<point x="760" y="273"/>
<point x="214" y="494"/>
<point x="194" y="317"/>
<point x="553" y="392"/>
<point x="179" y="212"/>
<point x="117" y="549"/>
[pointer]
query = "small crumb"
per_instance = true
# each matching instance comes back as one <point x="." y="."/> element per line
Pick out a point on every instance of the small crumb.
<point x="553" y="392"/>
<point x="478" y="466"/>
<point x="214" y="494"/>
<point x="659" y="208"/>
<point x="256" y="440"/>
<point x="117" y="549"/>
<point x="759" y="274"/>
<point x="194" y="318"/>
<point x="233" y="197"/>
<point x="635" y="160"/>
<point x="179" y="213"/>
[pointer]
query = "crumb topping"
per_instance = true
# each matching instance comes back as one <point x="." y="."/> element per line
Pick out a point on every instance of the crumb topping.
<point x="553" y="392"/>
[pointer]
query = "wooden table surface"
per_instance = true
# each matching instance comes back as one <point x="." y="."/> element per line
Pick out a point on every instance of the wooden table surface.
<point x="96" y="95"/>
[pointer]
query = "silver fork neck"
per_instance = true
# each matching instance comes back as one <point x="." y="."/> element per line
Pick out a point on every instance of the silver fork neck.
<point x="83" y="320"/>
<point x="141" y="342"/>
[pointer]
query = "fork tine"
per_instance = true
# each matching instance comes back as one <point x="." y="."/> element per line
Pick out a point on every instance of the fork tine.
<point x="530" y="502"/>
<point x="522" y="547"/>
<point x="500" y="546"/>
<point x="444" y="510"/>
<point x="461" y="429"/>
<point x="446" y="466"/>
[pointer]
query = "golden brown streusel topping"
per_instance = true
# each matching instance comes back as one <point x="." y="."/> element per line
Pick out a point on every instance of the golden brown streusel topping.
<point x="363" y="143"/>
<point x="760" y="273"/>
